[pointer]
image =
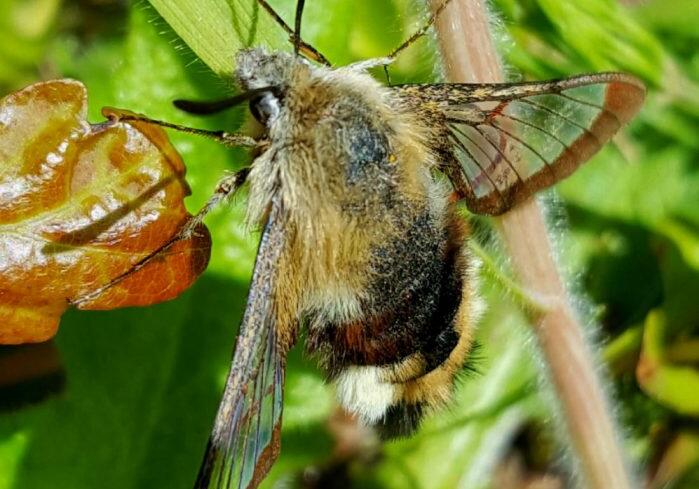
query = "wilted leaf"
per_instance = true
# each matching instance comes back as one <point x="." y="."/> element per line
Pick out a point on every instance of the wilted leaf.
<point x="80" y="205"/>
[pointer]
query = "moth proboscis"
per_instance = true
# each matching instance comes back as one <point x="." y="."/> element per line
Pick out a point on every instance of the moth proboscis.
<point x="361" y="242"/>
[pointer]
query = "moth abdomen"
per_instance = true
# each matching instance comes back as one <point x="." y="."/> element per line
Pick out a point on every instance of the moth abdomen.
<point x="400" y="356"/>
<point x="401" y="420"/>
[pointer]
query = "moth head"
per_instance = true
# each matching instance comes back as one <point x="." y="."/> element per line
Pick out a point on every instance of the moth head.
<point x="256" y="68"/>
<point x="337" y="143"/>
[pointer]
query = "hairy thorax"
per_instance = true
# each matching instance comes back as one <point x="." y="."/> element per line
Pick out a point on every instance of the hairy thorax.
<point x="352" y="173"/>
<point x="373" y="261"/>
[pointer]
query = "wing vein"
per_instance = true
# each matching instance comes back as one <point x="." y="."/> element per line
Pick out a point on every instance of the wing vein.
<point x="596" y="106"/>
<point x="460" y="144"/>
<point x="529" y="147"/>
<point x="496" y="148"/>
<point x="534" y="126"/>
<point x="562" y="116"/>
<point x="493" y="163"/>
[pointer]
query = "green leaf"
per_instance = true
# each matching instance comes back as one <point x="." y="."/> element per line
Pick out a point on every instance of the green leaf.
<point x="607" y="39"/>
<point x="674" y="386"/>
<point x="216" y="29"/>
<point x="24" y="29"/>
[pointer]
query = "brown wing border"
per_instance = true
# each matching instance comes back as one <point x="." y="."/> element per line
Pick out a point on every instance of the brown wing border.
<point x="623" y="98"/>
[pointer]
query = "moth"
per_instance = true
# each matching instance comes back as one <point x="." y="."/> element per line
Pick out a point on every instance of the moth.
<point x="355" y="186"/>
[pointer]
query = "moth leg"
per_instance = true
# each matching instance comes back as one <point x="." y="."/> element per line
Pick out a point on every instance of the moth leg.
<point x="303" y="47"/>
<point x="297" y="25"/>
<point x="373" y="63"/>
<point x="230" y="139"/>
<point x="226" y="187"/>
<point x="417" y="35"/>
<point x="420" y="32"/>
<point x="370" y="63"/>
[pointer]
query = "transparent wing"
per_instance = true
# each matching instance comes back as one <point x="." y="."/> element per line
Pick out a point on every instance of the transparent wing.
<point x="511" y="140"/>
<point x="245" y="440"/>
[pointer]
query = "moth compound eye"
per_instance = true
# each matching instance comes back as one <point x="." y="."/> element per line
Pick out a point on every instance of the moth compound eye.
<point x="265" y="108"/>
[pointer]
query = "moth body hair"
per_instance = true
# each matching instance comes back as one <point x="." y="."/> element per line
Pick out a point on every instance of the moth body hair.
<point x="363" y="391"/>
<point x="374" y="261"/>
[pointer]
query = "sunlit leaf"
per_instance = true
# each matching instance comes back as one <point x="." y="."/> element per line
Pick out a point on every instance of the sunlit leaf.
<point x="80" y="205"/>
<point x="216" y="29"/>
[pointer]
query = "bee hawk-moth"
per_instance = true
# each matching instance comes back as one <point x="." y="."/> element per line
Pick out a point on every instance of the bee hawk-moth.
<point x="355" y="186"/>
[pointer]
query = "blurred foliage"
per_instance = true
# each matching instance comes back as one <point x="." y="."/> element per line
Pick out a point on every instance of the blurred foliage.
<point x="142" y="385"/>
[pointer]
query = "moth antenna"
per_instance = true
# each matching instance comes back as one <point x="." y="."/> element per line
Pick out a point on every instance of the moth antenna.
<point x="230" y="139"/>
<point x="215" y="106"/>
<point x="420" y="32"/>
<point x="304" y="48"/>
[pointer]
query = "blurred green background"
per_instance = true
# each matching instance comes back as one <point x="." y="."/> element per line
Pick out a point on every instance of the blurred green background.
<point x="142" y="385"/>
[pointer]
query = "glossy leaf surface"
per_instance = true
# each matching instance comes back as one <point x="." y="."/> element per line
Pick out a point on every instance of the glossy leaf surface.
<point x="80" y="205"/>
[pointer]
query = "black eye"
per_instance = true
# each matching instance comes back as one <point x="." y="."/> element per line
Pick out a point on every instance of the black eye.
<point x="265" y="108"/>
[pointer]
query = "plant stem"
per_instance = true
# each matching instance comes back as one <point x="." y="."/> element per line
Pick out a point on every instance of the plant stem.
<point x="469" y="56"/>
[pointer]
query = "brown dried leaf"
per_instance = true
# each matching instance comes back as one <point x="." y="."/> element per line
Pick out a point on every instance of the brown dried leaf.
<point x="80" y="205"/>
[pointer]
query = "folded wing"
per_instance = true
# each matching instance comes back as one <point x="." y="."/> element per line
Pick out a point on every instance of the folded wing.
<point x="245" y="440"/>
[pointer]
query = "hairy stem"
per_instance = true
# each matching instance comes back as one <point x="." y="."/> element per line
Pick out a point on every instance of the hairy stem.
<point x="469" y="56"/>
